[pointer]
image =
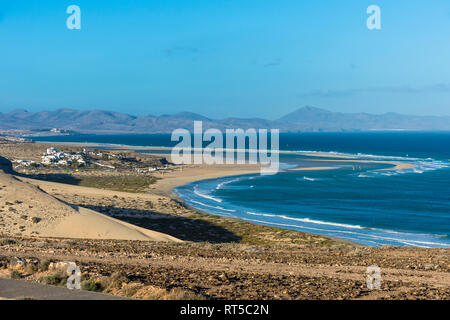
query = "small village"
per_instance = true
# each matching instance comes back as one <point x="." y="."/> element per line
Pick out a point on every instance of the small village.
<point x="54" y="156"/>
<point x="94" y="159"/>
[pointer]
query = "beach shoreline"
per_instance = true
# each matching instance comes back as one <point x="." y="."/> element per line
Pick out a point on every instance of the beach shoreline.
<point x="218" y="258"/>
<point x="166" y="180"/>
<point x="193" y="173"/>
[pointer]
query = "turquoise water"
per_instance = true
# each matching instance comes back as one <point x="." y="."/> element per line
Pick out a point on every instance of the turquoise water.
<point x="357" y="202"/>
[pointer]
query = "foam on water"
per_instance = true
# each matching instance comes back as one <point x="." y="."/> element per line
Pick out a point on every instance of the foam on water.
<point x="358" y="155"/>
<point x="338" y="203"/>
<point x="213" y="207"/>
<point x="206" y="196"/>
<point x="352" y="232"/>
<point x="306" y="220"/>
<point x="377" y="238"/>
<point x="420" y="166"/>
<point x="222" y="184"/>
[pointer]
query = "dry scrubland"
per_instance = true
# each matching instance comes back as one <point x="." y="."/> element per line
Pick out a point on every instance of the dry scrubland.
<point x="217" y="258"/>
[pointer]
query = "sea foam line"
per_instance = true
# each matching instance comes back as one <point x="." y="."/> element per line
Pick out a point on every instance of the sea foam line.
<point x="419" y="168"/>
<point x="205" y="195"/>
<point x="214" y="207"/>
<point x="307" y="220"/>
<point x="220" y="185"/>
<point x="356" y="155"/>
<point x="363" y="236"/>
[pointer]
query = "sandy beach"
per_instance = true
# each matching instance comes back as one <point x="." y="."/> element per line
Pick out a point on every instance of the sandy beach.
<point x="196" y="173"/>
<point x="182" y="253"/>
<point x="28" y="210"/>
<point x="163" y="183"/>
<point x="328" y="156"/>
<point x="202" y="172"/>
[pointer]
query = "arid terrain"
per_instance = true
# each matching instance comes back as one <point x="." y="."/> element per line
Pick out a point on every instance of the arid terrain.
<point x="142" y="242"/>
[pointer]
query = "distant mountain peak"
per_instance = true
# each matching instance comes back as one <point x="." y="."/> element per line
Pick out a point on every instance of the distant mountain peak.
<point x="311" y="108"/>
<point x="304" y="113"/>
<point x="190" y="115"/>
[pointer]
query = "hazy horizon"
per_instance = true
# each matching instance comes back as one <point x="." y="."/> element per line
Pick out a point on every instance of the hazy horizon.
<point x="213" y="118"/>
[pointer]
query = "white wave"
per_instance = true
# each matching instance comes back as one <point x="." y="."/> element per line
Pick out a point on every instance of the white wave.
<point x="307" y="220"/>
<point x="431" y="165"/>
<point x="206" y="196"/>
<point x="214" y="207"/>
<point x="419" y="168"/>
<point x="421" y="165"/>
<point x="309" y="179"/>
<point x="348" y="231"/>
<point x="361" y="236"/>
<point x="362" y="175"/>
<point x="380" y="157"/>
<point x="220" y="185"/>
<point x="359" y="155"/>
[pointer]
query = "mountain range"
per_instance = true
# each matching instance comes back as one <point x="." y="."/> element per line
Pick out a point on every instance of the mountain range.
<point x="302" y="120"/>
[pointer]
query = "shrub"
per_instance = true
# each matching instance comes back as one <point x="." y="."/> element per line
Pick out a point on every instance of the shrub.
<point x="32" y="268"/>
<point x="43" y="266"/>
<point x="75" y="165"/>
<point x="117" y="278"/>
<point x="149" y="204"/>
<point x="130" y="290"/>
<point x="54" y="279"/>
<point x="180" y="294"/>
<point x="4" y="242"/>
<point x="15" y="274"/>
<point x="91" y="286"/>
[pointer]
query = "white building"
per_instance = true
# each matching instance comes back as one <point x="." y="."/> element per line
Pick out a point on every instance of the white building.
<point x="51" y="150"/>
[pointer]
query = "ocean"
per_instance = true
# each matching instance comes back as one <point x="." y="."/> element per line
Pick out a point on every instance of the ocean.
<point x="356" y="201"/>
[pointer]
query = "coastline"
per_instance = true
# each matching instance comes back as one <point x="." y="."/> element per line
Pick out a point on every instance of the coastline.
<point x="183" y="175"/>
<point x="204" y="172"/>
<point x="396" y="164"/>
<point x="190" y="174"/>
<point x="330" y="157"/>
<point x="220" y="257"/>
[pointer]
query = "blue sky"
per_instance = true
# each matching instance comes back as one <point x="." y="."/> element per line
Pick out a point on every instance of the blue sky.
<point x="246" y="58"/>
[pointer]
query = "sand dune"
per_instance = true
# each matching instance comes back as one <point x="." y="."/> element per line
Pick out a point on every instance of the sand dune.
<point x="27" y="210"/>
<point x="90" y="224"/>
